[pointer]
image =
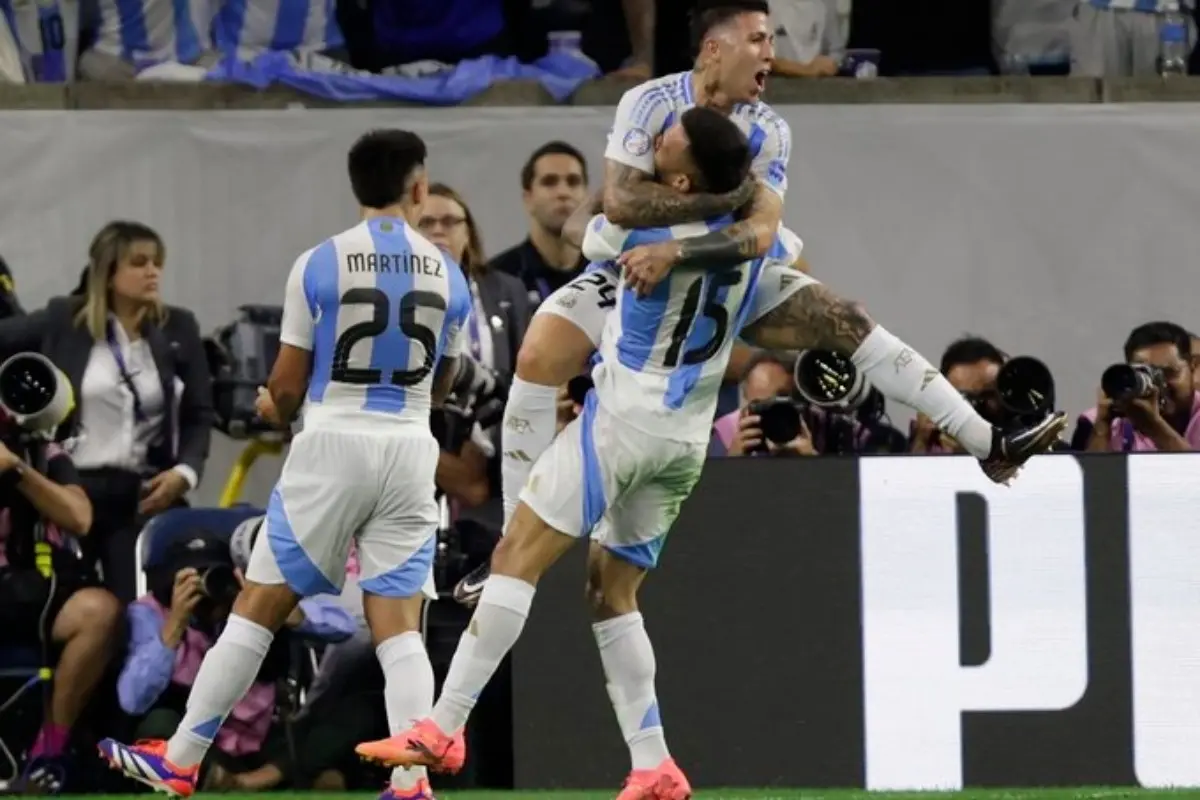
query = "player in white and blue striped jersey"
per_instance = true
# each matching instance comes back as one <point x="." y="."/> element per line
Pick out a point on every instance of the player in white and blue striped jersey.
<point x="46" y="34"/>
<point x="618" y="473"/>
<point x="251" y="27"/>
<point x="373" y="323"/>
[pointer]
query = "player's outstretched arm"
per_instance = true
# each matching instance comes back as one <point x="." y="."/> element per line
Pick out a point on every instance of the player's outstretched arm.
<point x="748" y="238"/>
<point x="444" y="378"/>
<point x="633" y="200"/>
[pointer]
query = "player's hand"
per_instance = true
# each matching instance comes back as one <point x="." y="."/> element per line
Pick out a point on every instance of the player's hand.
<point x="187" y="591"/>
<point x="162" y="491"/>
<point x="924" y="434"/>
<point x="802" y="445"/>
<point x="566" y="409"/>
<point x="264" y="406"/>
<point x="822" y="67"/>
<point x="646" y="265"/>
<point x="748" y="436"/>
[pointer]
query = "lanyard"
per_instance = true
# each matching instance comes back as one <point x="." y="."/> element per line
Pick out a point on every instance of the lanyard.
<point x="1126" y="436"/>
<point x="543" y="288"/>
<point x="473" y="324"/>
<point x="138" y="413"/>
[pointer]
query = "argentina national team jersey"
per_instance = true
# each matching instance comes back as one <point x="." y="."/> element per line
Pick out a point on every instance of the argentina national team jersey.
<point x="46" y="34"/>
<point x="649" y="109"/>
<point x="379" y="306"/>
<point x="250" y="27"/>
<point x="663" y="356"/>
<point x="145" y="32"/>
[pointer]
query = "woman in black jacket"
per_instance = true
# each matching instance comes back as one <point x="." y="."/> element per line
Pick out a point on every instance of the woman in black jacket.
<point x="143" y="393"/>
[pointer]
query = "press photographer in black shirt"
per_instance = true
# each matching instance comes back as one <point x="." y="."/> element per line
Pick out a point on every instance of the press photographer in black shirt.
<point x="58" y="606"/>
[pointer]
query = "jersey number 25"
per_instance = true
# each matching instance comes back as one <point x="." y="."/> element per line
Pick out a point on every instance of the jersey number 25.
<point x="341" y="370"/>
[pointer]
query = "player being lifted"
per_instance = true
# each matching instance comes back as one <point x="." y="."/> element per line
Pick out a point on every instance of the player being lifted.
<point x="736" y="49"/>
<point x="619" y="472"/>
<point x="371" y="332"/>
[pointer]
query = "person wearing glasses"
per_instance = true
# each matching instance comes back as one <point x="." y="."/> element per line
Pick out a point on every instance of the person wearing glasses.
<point x="144" y="412"/>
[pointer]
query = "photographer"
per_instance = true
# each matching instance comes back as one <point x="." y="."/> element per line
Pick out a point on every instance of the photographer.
<point x="971" y="365"/>
<point x="768" y="384"/>
<point x="1150" y="402"/>
<point x="170" y="630"/>
<point x="64" y="610"/>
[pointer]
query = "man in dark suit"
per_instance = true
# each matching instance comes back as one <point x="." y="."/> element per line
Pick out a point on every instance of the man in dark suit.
<point x="553" y="184"/>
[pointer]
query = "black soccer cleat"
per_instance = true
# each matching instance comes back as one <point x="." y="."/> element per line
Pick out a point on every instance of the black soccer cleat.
<point x="467" y="590"/>
<point x="1011" y="450"/>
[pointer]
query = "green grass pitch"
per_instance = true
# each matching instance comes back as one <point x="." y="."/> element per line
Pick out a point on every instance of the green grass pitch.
<point x="1096" y="793"/>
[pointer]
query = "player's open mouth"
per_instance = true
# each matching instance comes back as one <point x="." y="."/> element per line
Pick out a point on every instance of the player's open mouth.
<point x="760" y="78"/>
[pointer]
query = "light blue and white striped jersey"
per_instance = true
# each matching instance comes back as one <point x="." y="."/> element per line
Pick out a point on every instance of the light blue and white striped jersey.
<point x="663" y="356"/>
<point x="145" y="32"/>
<point x="379" y="306"/>
<point x="46" y="33"/>
<point x="647" y="110"/>
<point x="1151" y="6"/>
<point x="250" y="27"/>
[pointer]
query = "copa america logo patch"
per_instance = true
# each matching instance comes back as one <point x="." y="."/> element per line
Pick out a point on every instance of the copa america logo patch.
<point x="636" y="142"/>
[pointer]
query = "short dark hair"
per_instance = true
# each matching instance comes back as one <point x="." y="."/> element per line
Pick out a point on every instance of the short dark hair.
<point x="381" y="163"/>
<point x="970" y="350"/>
<point x="555" y="148"/>
<point x="718" y="148"/>
<point x="1153" y="333"/>
<point x="708" y="15"/>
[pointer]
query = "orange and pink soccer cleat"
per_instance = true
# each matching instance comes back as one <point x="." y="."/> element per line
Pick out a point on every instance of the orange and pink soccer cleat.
<point x="422" y="745"/>
<point x="664" y="782"/>
<point x="147" y="762"/>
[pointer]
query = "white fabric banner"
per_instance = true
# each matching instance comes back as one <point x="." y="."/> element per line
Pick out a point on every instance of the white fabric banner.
<point x="1052" y="230"/>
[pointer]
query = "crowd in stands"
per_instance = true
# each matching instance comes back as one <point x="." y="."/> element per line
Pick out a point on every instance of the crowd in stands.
<point x="62" y="40"/>
<point x="139" y="584"/>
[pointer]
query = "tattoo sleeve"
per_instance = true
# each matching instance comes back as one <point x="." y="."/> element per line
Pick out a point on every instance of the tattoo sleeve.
<point x="741" y="241"/>
<point x="633" y="200"/>
<point x="814" y="317"/>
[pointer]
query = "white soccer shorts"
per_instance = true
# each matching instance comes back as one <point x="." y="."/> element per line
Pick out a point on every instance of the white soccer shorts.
<point x="604" y="478"/>
<point x="338" y="487"/>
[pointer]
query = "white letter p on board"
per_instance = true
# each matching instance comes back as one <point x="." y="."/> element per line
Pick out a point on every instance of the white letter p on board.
<point x="915" y="686"/>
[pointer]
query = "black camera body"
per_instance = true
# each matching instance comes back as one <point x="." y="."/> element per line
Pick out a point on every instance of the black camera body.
<point x="240" y="357"/>
<point x="779" y="421"/>
<point x="1026" y="389"/>
<point x="1125" y="382"/>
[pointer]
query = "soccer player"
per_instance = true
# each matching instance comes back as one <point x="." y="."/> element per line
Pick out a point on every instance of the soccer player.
<point x="735" y="43"/>
<point x="372" y="327"/>
<point x="619" y="472"/>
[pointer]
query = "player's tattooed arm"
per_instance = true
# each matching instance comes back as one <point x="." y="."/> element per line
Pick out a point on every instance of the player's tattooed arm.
<point x="748" y="238"/>
<point x="633" y="200"/>
<point x="575" y="228"/>
<point x="814" y="317"/>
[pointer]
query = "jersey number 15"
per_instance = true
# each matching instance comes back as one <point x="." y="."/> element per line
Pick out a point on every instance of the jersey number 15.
<point x="341" y="370"/>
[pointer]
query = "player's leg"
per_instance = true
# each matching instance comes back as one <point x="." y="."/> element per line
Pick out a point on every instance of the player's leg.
<point x="562" y="335"/>
<point x="312" y="512"/>
<point x="626" y="545"/>
<point x="795" y="312"/>
<point x="396" y="549"/>
<point x="565" y="496"/>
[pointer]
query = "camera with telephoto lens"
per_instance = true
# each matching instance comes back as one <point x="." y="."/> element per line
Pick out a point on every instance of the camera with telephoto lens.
<point x="779" y="421"/>
<point x="1026" y="390"/>
<point x="220" y="584"/>
<point x="35" y="394"/>
<point x="1125" y="382"/>
<point x="830" y="381"/>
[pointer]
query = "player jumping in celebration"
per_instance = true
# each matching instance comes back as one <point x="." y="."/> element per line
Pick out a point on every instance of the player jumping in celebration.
<point x="735" y="54"/>
<point x="619" y="472"/>
<point x="371" y="333"/>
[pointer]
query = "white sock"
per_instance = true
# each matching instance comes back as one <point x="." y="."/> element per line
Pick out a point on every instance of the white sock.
<point x="226" y="674"/>
<point x="530" y="417"/>
<point x="903" y="374"/>
<point x="629" y="668"/>
<point x="407" y="692"/>
<point x="494" y="629"/>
